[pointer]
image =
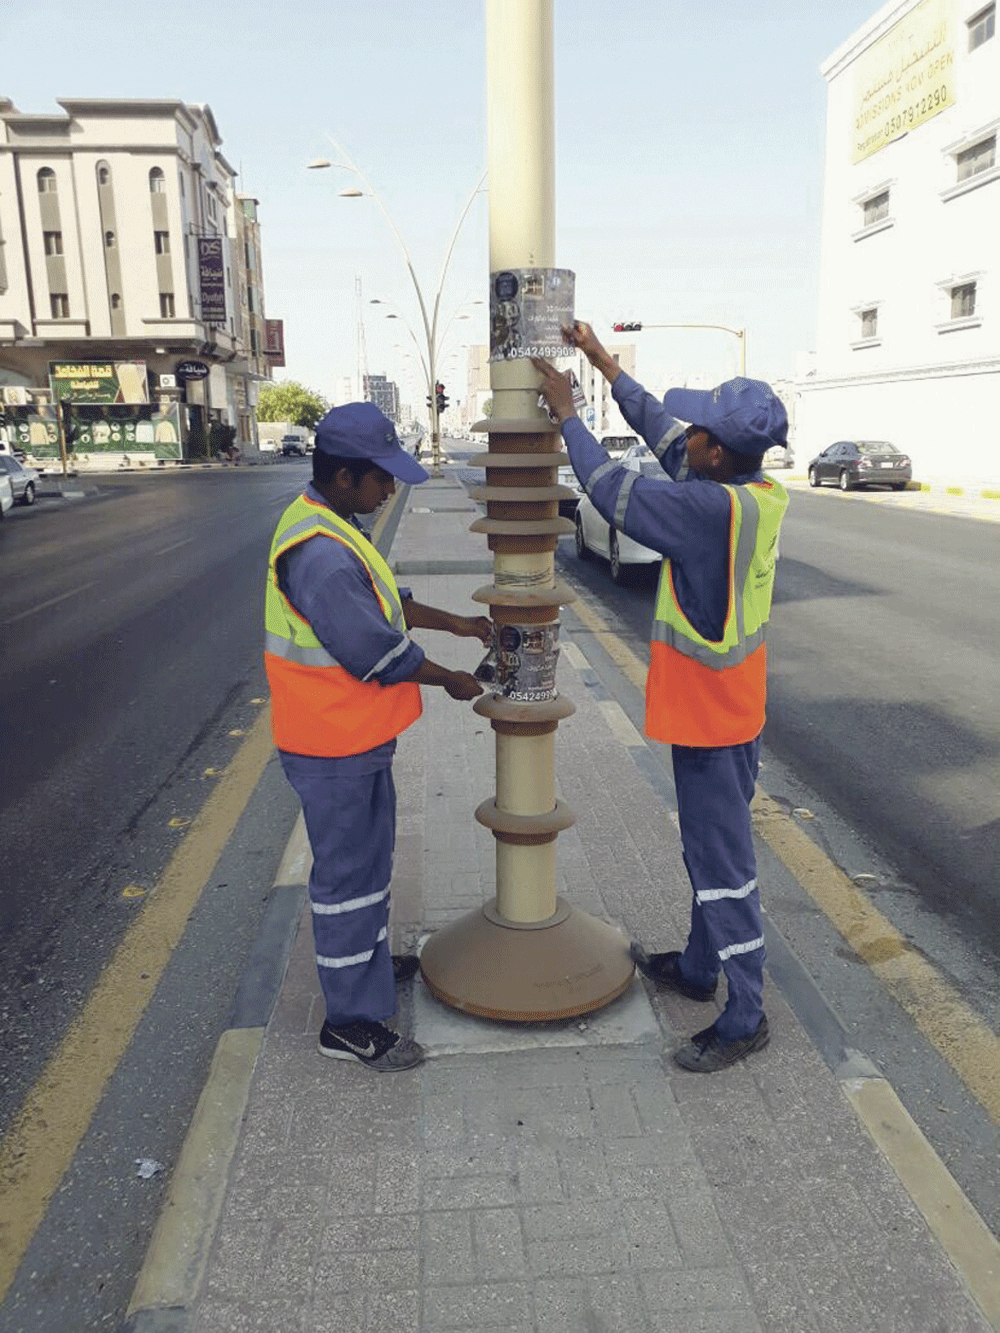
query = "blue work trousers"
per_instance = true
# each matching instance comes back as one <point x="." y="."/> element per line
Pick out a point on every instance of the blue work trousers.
<point x="350" y="812"/>
<point x="714" y="789"/>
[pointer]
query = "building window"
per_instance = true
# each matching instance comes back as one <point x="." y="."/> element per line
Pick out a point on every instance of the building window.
<point x="157" y="181"/>
<point x="103" y="175"/>
<point x="166" y="305"/>
<point x="963" y="300"/>
<point x="161" y="240"/>
<point x="876" y="209"/>
<point x="109" y="240"/>
<point x="59" y="303"/>
<point x="181" y="181"/>
<point x="982" y="26"/>
<point x="47" y="181"/>
<point x="254" y="344"/>
<point x="53" y="242"/>
<point x="116" y="301"/>
<point x="980" y="157"/>
<point x="869" y="323"/>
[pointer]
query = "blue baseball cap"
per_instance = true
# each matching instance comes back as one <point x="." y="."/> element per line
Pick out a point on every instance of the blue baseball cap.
<point x="361" y="430"/>
<point x="746" y="416"/>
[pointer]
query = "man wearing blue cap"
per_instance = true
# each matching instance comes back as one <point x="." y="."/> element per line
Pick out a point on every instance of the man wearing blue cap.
<point x="345" y="679"/>
<point x="706" y="687"/>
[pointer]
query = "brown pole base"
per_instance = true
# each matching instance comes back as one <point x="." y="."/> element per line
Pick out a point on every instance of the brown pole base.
<point x="527" y="974"/>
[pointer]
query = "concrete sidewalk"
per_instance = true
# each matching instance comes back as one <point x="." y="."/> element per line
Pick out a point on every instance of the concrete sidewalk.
<point x="564" y="1178"/>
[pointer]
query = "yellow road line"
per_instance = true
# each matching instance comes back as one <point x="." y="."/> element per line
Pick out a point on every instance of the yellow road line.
<point x="953" y="1028"/>
<point x="41" y="1144"/>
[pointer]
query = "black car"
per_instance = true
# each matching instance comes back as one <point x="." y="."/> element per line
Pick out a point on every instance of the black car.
<point x="851" y="463"/>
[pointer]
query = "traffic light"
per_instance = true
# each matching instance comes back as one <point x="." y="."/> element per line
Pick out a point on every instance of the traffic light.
<point x="627" y="328"/>
<point x="442" y="400"/>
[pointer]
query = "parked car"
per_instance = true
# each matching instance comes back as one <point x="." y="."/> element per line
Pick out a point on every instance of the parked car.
<point x="851" y="463"/>
<point x="617" y="445"/>
<point x="567" y="477"/>
<point x="594" y="536"/>
<point x="781" y="455"/>
<point x="6" y="494"/>
<point x="23" y="480"/>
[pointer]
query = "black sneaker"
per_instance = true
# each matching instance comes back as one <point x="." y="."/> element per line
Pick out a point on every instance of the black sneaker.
<point x="371" y="1044"/>
<point x="405" y="966"/>
<point x="706" y="1052"/>
<point x="664" y="970"/>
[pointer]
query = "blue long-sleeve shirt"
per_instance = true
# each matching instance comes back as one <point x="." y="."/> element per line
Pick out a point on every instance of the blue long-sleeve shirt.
<point x="327" y="583"/>
<point x="682" y="515"/>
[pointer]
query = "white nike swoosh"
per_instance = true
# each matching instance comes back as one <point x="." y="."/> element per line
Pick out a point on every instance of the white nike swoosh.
<point x="368" y="1052"/>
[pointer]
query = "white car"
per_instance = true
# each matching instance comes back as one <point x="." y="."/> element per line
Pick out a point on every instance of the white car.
<point x="596" y="537"/>
<point x="6" y="494"/>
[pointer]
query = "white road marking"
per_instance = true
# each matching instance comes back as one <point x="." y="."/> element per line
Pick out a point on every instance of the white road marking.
<point x="176" y="546"/>
<point x="574" y="656"/>
<point x="617" y="719"/>
<point x="53" y="601"/>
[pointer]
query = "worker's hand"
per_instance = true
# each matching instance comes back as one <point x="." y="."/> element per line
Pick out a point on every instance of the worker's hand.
<point x="461" y="685"/>
<point x="583" y="336"/>
<point x="556" y="389"/>
<point x="473" y="627"/>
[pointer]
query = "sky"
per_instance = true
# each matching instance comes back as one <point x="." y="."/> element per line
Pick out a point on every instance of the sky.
<point x="689" y="160"/>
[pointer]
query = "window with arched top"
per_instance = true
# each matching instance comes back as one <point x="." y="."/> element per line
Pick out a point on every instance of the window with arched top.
<point x="157" y="181"/>
<point x="46" y="181"/>
<point x="103" y="173"/>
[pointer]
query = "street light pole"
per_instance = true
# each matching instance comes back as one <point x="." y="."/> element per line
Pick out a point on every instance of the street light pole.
<point x="430" y="322"/>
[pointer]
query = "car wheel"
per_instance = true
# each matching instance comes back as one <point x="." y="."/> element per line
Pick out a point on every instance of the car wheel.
<point x="813" y="477"/>
<point x="899" y="485"/>
<point x="582" y="549"/>
<point x="845" y="481"/>
<point x="619" y="571"/>
<point x="28" y="498"/>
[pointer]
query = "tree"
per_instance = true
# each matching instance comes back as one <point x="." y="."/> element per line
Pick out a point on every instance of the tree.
<point x="291" y="402"/>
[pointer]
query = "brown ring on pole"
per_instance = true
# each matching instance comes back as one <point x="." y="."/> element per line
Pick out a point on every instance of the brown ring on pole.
<point x="548" y="822"/>
<point x="520" y="545"/>
<point x="523" y="728"/>
<point x="560" y="594"/>
<point x="524" y="839"/>
<point x="512" y="710"/>
<point x="519" y="460"/>
<point x="540" y="527"/>
<point x="524" y="615"/>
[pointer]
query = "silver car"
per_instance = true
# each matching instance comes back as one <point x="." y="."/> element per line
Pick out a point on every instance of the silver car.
<point x="23" y="480"/>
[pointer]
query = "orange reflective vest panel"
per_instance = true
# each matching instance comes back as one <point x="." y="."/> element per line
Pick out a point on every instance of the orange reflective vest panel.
<point x="711" y="693"/>
<point x="317" y="706"/>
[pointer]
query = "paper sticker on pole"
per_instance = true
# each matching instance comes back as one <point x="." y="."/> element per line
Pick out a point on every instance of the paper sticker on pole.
<point x="528" y="309"/>
<point x="521" y="662"/>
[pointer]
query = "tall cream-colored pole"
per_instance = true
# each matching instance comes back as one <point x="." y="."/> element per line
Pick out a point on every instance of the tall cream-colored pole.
<point x="528" y="955"/>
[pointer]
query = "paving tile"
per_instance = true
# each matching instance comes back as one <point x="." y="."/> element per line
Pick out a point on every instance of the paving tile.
<point x="446" y="1248"/>
<point x="464" y="1192"/>
<point x="478" y="1306"/>
<point x="575" y="1256"/>
<point x="386" y="1270"/>
<point x="218" y="1315"/>
<point x="498" y="1244"/>
<point x="611" y="1304"/>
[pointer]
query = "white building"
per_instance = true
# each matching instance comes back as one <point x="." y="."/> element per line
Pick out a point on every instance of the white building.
<point x="908" y="345"/>
<point x="125" y="255"/>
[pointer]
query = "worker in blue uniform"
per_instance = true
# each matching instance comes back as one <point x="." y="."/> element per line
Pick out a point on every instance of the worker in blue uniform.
<point x="345" y="677"/>
<point x="705" y="691"/>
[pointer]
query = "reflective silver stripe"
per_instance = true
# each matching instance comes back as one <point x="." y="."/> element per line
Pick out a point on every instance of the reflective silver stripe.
<point x="351" y="959"/>
<point x="676" y="429"/>
<point x="320" y="522"/>
<point x="718" y="661"/>
<point x="600" y="471"/>
<point x="350" y="905"/>
<point x="683" y="470"/>
<point x="292" y="652"/>
<point x="711" y="895"/>
<point x="622" y="502"/>
<point x="749" y="947"/>
<point x="399" y="649"/>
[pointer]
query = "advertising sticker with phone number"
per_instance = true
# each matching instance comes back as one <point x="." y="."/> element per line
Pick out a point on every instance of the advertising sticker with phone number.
<point x="528" y="309"/>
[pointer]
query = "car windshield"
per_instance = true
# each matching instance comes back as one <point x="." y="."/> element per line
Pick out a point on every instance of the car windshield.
<point x="876" y="447"/>
<point x="618" y="441"/>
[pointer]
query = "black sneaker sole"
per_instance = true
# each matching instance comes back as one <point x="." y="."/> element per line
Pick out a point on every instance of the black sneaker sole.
<point x="646" y="965"/>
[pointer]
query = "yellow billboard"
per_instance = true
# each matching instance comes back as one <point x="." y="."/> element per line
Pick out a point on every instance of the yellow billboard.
<point x="904" y="78"/>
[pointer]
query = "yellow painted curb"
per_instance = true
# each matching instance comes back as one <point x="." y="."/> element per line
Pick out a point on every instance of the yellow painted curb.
<point x="962" y="1233"/>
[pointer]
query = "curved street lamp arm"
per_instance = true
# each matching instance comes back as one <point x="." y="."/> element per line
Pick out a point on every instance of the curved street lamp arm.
<point x="447" y="259"/>
<point x="352" y="166"/>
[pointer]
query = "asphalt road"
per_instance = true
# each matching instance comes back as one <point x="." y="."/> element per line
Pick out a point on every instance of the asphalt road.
<point x="131" y="625"/>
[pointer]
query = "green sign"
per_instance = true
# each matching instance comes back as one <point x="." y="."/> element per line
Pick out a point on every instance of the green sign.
<point x="98" y="382"/>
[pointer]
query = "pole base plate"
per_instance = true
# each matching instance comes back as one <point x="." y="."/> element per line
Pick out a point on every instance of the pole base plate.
<point x="483" y="965"/>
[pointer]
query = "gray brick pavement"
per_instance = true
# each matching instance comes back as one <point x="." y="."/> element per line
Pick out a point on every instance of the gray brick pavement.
<point x="589" y="1190"/>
